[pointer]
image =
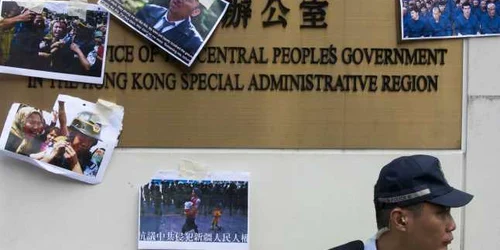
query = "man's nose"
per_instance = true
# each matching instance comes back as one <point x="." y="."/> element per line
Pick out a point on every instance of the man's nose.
<point x="451" y="226"/>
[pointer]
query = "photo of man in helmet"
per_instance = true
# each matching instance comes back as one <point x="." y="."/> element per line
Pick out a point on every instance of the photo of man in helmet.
<point x="76" y="135"/>
<point x="72" y="151"/>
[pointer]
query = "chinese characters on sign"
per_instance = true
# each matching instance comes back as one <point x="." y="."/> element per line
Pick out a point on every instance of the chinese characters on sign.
<point x="238" y="11"/>
<point x="178" y="213"/>
<point x="193" y="237"/>
<point x="313" y="14"/>
<point x="274" y="12"/>
<point x="271" y="18"/>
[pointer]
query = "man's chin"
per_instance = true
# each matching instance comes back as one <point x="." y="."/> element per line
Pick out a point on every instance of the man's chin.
<point x="445" y="245"/>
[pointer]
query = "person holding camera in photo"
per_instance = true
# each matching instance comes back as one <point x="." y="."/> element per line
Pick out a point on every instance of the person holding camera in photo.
<point x="25" y="42"/>
<point x="11" y="15"/>
<point x="73" y="152"/>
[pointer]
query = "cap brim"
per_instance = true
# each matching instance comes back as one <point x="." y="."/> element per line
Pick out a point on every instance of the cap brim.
<point x="87" y="134"/>
<point x="455" y="198"/>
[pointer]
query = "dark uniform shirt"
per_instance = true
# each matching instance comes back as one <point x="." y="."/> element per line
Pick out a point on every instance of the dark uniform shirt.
<point x="441" y="28"/>
<point x="467" y="26"/>
<point x="490" y="25"/>
<point x="415" y="28"/>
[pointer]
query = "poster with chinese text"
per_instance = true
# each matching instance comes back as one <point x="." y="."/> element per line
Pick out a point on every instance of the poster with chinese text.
<point x="183" y="213"/>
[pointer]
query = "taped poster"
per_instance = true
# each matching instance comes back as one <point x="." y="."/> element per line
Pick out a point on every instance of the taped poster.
<point x="440" y="19"/>
<point x="76" y="139"/>
<point x="179" y="27"/>
<point x="176" y="212"/>
<point x="56" y="40"/>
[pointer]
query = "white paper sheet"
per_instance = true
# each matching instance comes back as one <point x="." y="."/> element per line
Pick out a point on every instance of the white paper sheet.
<point x="176" y="212"/>
<point x="76" y="139"/>
<point x="74" y="51"/>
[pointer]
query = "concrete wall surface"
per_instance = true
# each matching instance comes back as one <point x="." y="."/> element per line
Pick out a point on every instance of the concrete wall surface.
<point x="482" y="224"/>
<point x="298" y="200"/>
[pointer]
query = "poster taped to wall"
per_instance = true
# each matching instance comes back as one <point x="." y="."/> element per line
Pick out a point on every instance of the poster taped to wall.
<point x="440" y="19"/>
<point x="181" y="213"/>
<point x="56" y="40"/>
<point x="76" y="139"/>
<point x="180" y="27"/>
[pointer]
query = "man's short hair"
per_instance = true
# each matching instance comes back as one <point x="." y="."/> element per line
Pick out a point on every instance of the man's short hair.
<point x="384" y="215"/>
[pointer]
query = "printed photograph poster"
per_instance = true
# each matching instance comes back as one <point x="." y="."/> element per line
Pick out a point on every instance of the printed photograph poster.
<point x="180" y="27"/>
<point x="55" y="40"/>
<point x="76" y="139"/>
<point x="438" y="19"/>
<point x="183" y="213"/>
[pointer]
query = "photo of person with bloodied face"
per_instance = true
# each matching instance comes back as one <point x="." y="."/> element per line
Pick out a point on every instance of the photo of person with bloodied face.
<point x="58" y="40"/>
<point x="26" y="132"/>
<point x="180" y="27"/>
<point x="75" y="137"/>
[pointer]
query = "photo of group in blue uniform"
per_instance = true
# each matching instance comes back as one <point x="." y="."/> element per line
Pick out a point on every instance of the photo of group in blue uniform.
<point x="434" y="19"/>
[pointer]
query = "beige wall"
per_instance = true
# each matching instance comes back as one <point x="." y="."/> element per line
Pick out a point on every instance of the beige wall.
<point x="298" y="199"/>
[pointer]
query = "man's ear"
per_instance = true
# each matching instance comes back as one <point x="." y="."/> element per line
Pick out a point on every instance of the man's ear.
<point x="398" y="219"/>
<point x="195" y="12"/>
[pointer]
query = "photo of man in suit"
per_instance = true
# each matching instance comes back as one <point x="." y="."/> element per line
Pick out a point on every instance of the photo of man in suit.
<point x="174" y="22"/>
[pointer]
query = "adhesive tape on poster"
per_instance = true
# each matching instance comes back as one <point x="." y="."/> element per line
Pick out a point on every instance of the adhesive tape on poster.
<point x="110" y="113"/>
<point x="207" y="3"/>
<point x="36" y="7"/>
<point x="192" y="170"/>
<point x="81" y="1"/>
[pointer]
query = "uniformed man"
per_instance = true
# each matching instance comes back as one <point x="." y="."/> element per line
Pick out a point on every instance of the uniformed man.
<point x="415" y="27"/>
<point x="490" y="24"/>
<point x="466" y="24"/>
<point x="412" y="205"/>
<point x="476" y="8"/>
<point x="73" y="153"/>
<point x="438" y="26"/>
<point x="445" y="9"/>
<point x="482" y="10"/>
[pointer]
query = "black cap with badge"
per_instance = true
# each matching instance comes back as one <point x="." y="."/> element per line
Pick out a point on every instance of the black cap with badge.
<point x="409" y="180"/>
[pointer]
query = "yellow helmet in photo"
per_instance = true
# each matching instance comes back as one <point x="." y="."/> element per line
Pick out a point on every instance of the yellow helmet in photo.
<point x="88" y="124"/>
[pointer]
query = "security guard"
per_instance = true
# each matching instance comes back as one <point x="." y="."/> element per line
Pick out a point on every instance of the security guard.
<point x="412" y="205"/>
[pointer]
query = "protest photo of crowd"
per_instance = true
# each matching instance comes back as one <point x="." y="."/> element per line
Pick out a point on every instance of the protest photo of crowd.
<point x="74" y="147"/>
<point x="450" y="18"/>
<point x="199" y="207"/>
<point x="55" y="38"/>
